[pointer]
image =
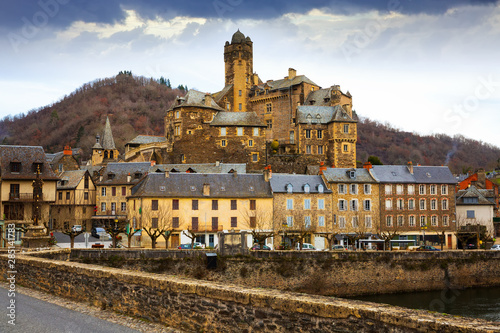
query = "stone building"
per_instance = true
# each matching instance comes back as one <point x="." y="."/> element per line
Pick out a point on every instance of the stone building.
<point x="476" y="207"/>
<point x="105" y="151"/>
<point x="65" y="160"/>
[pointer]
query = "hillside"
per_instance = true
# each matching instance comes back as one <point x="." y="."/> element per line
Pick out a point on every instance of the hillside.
<point x="136" y="105"/>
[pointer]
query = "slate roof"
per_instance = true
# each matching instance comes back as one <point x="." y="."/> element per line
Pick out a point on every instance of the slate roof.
<point x="228" y="118"/>
<point x="421" y="174"/>
<point x="240" y="168"/>
<point x="322" y="114"/>
<point x="145" y="139"/>
<point x="318" y="96"/>
<point x="107" y="139"/>
<point x="286" y="83"/>
<point x="342" y="175"/>
<point x="70" y="179"/>
<point x="279" y="183"/>
<point x="485" y="197"/>
<point x="54" y="158"/>
<point x="26" y="155"/>
<point x="188" y="185"/>
<point x="219" y="95"/>
<point x="121" y="171"/>
<point x="196" y="98"/>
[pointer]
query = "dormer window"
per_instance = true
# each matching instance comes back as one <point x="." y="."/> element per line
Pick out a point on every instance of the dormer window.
<point x="289" y="188"/>
<point x="352" y="174"/>
<point x="15" y="167"/>
<point x="37" y="166"/>
<point x="111" y="175"/>
<point x="307" y="188"/>
<point x="320" y="188"/>
<point x="137" y="175"/>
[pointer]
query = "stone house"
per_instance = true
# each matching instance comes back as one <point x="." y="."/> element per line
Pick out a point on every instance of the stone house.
<point x="75" y="201"/>
<point x="18" y="167"/>
<point x="355" y="203"/>
<point x="112" y="189"/>
<point x="104" y="152"/>
<point x="417" y="201"/>
<point x="302" y="204"/>
<point x="476" y="207"/>
<point x="201" y="204"/>
<point x="65" y="160"/>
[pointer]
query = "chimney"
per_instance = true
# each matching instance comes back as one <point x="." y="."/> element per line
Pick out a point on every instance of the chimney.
<point x="67" y="151"/>
<point x="322" y="167"/>
<point x="235" y="174"/>
<point x="206" y="190"/>
<point x="292" y="73"/>
<point x="410" y="167"/>
<point x="255" y="79"/>
<point x="268" y="173"/>
<point x="367" y="165"/>
<point x="153" y="163"/>
<point x="100" y="178"/>
<point x="217" y="163"/>
<point x="129" y="178"/>
<point x="333" y="165"/>
<point x="167" y="174"/>
<point x="481" y="178"/>
<point x="208" y="99"/>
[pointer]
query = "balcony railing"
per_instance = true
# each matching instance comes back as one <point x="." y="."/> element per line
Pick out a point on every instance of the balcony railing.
<point x="208" y="228"/>
<point x="24" y="197"/>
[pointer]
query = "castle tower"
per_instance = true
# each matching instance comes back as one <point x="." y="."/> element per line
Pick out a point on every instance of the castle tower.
<point x="238" y="59"/>
<point x="105" y="151"/>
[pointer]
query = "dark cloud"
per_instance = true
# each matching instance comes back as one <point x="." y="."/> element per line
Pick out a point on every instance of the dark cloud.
<point x="61" y="13"/>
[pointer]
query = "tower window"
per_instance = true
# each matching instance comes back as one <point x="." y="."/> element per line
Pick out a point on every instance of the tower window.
<point x="239" y="92"/>
<point x="240" y="106"/>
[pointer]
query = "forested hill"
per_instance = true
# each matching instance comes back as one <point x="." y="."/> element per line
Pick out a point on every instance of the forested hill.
<point x="137" y="105"/>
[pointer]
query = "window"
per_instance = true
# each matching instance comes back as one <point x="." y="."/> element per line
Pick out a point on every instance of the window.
<point x="124" y="191"/>
<point x="194" y="223"/>
<point x="346" y="128"/>
<point x="239" y="92"/>
<point x="367" y="189"/>
<point x="411" y="204"/>
<point x="445" y="220"/>
<point x="240" y="107"/>
<point x="321" y="203"/>
<point x="234" y="205"/>
<point x="113" y="208"/>
<point x="433" y="204"/>
<point x="411" y="189"/>
<point x="253" y="205"/>
<point x="103" y="206"/>
<point x="255" y="157"/>
<point x="353" y="189"/>
<point x="422" y="221"/>
<point x="471" y="214"/>
<point x="60" y="167"/>
<point x="320" y="150"/>
<point x="175" y="222"/>
<point x="434" y="220"/>
<point x="308" y="133"/>
<point x="307" y="222"/>
<point x="177" y="130"/>
<point x="215" y="204"/>
<point x="320" y="188"/>
<point x="194" y="204"/>
<point x="307" y="203"/>
<point x="15" y="167"/>
<point x="319" y="134"/>
<point x="223" y="131"/>
<point x="124" y="206"/>
<point x="250" y="143"/>
<point x="175" y="204"/>
<point x="411" y="220"/>
<point x="269" y="107"/>
<point x="223" y="143"/>
<point x="421" y="189"/>
<point x="444" y="189"/>
<point x="215" y="223"/>
<point x="154" y="223"/>
<point x="354" y="205"/>
<point x="308" y="149"/>
<point x="341" y="188"/>
<point x="113" y="191"/>
<point x="342" y="204"/>
<point x="388" y="204"/>
<point x="345" y="148"/>
<point x="154" y="204"/>
<point x="389" y="221"/>
<point x="234" y="222"/>
<point x="307" y="188"/>
<point x="68" y="195"/>
<point x="399" y="189"/>
<point x="177" y="114"/>
<point x="255" y="131"/>
<point x="367" y="205"/>
<point x="269" y="123"/>
<point x="321" y="221"/>
<point x="354" y="222"/>
<point x="289" y="204"/>
<point x="289" y="188"/>
<point x="444" y="204"/>
<point x="422" y="204"/>
<point x="103" y="192"/>
<point x="239" y="131"/>
<point x="388" y="189"/>
<point x="400" y="204"/>
<point x="401" y="221"/>
<point x="289" y="221"/>
<point x="341" y="222"/>
<point x="368" y="221"/>
<point x="59" y="195"/>
<point x="86" y="181"/>
<point x="433" y="190"/>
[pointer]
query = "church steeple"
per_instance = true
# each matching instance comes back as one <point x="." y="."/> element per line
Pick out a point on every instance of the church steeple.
<point x="104" y="150"/>
<point x="107" y="139"/>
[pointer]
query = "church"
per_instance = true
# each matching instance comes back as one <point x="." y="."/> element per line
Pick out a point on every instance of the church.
<point x="290" y="121"/>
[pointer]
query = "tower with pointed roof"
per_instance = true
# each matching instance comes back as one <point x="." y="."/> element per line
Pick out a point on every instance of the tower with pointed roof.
<point x="104" y="151"/>
<point x="238" y="60"/>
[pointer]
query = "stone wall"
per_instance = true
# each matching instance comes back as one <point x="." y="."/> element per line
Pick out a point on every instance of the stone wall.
<point x="201" y="306"/>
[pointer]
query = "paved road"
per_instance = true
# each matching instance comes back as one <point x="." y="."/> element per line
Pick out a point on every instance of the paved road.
<point x="36" y="316"/>
<point x="65" y="242"/>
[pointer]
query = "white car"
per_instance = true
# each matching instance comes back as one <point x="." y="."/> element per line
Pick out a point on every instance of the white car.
<point x="76" y="228"/>
<point x="306" y="247"/>
<point x="496" y="247"/>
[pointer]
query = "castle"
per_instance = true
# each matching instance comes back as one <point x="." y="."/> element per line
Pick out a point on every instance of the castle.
<point x="255" y="122"/>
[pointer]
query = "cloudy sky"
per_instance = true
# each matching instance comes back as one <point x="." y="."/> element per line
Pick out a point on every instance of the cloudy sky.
<point x="427" y="66"/>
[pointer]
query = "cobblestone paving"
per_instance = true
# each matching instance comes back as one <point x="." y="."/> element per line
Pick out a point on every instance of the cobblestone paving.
<point x="133" y="323"/>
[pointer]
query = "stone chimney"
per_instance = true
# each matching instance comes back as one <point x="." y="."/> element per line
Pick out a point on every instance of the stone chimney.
<point x="292" y="73"/>
<point x="167" y="174"/>
<point x="255" y="78"/>
<point x="67" y="151"/>
<point x="208" y="99"/>
<point x="268" y="173"/>
<point x="153" y="163"/>
<point x="322" y="167"/>
<point x="410" y="167"/>
<point x="235" y="174"/>
<point x="217" y="163"/>
<point x="367" y="165"/>
<point x="129" y="178"/>
<point x="481" y="178"/>
<point x="206" y="190"/>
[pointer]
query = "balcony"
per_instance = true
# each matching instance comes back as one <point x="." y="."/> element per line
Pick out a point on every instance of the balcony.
<point x="207" y="228"/>
<point x="24" y="197"/>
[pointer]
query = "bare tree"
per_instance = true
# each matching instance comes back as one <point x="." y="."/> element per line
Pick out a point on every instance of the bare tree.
<point x="296" y="224"/>
<point x="260" y="224"/>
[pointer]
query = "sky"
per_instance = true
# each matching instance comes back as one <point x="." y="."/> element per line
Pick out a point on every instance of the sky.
<point x="424" y="66"/>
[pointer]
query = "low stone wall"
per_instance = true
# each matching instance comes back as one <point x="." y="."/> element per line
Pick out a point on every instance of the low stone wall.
<point x="201" y="306"/>
<point x="338" y="274"/>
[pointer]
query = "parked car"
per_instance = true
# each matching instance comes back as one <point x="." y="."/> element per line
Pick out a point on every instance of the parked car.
<point x="427" y="248"/>
<point x="76" y="228"/>
<point x="471" y="246"/>
<point x="339" y="248"/>
<point x="257" y="247"/>
<point x="100" y="233"/>
<point x="496" y="247"/>
<point x="188" y="246"/>
<point x="306" y="247"/>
